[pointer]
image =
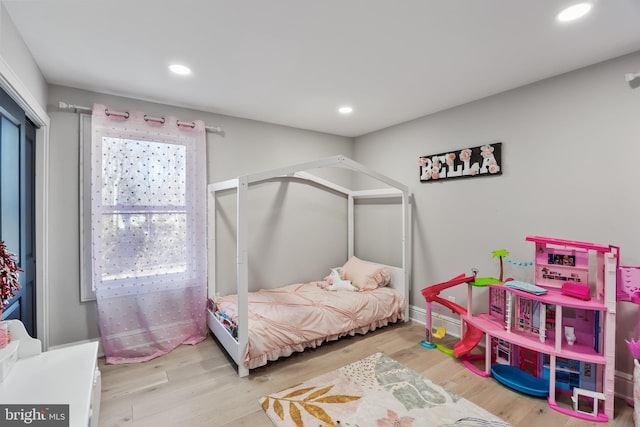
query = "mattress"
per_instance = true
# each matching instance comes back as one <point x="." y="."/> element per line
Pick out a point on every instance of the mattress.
<point x="298" y="316"/>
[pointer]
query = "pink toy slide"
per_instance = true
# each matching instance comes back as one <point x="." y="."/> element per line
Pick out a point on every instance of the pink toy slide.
<point x="472" y="335"/>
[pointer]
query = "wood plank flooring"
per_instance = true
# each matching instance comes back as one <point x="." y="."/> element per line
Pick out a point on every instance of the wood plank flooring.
<point x="198" y="386"/>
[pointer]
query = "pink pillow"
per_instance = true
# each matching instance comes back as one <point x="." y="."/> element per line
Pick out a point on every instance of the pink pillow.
<point x="365" y="275"/>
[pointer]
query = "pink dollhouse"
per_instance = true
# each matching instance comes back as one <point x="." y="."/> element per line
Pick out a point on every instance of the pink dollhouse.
<point x="554" y="338"/>
<point x="557" y="337"/>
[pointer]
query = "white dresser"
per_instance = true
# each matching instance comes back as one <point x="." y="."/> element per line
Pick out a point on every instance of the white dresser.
<point x="66" y="375"/>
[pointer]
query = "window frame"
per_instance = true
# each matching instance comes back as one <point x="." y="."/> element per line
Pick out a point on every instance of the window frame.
<point x="86" y="288"/>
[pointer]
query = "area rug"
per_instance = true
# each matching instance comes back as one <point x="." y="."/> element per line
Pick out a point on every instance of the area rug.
<point x="375" y="391"/>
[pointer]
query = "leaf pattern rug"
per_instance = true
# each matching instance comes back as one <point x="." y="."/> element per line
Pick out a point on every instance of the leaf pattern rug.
<point x="375" y="391"/>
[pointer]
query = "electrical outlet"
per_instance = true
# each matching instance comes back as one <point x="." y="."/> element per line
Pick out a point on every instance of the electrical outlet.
<point x="451" y="298"/>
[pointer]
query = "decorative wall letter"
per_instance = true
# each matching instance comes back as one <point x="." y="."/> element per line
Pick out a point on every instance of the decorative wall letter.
<point x="466" y="163"/>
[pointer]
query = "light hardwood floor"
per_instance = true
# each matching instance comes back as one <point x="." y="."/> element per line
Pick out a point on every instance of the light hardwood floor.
<point x="197" y="385"/>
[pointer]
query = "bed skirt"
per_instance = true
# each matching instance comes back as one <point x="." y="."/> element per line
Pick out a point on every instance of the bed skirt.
<point x="262" y="359"/>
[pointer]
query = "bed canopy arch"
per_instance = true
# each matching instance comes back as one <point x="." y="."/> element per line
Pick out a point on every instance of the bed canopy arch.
<point x="390" y="189"/>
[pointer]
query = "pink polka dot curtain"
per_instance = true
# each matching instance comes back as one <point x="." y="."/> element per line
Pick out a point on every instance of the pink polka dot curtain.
<point x="148" y="232"/>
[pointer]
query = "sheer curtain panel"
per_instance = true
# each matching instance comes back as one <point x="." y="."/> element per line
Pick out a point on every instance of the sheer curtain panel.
<point x="148" y="231"/>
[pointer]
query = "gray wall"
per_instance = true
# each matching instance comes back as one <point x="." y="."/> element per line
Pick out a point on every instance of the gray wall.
<point x="15" y="53"/>
<point x="571" y="146"/>
<point x="292" y="223"/>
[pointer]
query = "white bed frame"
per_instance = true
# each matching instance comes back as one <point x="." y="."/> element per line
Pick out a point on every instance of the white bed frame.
<point x="400" y="275"/>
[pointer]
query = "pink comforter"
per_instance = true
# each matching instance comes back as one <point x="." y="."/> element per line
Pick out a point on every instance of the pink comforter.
<point x="298" y="316"/>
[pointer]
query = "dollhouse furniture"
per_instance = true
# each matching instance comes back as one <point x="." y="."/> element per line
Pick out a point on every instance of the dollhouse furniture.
<point x="65" y="376"/>
<point x="594" y="395"/>
<point x="555" y="334"/>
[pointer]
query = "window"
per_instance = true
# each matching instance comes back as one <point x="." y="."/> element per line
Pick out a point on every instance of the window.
<point x="142" y="211"/>
<point x="143" y="204"/>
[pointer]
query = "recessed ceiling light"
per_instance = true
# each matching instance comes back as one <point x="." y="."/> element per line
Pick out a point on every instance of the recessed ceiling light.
<point x="182" y="70"/>
<point x="345" y="110"/>
<point x="574" y="12"/>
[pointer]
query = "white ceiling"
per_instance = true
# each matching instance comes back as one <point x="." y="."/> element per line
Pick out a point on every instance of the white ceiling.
<point x="294" y="62"/>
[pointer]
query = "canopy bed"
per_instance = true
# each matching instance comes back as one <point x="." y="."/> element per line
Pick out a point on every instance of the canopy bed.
<point x="307" y="314"/>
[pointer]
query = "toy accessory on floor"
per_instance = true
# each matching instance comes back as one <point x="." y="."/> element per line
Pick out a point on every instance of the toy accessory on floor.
<point x="441" y="331"/>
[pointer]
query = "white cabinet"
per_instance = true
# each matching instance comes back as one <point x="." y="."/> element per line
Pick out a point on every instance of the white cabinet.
<point x="67" y="375"/>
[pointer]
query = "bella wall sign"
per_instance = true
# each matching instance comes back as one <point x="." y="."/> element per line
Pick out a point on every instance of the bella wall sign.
<point x="466" y="163"/>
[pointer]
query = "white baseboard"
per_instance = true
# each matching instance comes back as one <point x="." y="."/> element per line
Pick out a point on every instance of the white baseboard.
<point x="623" y="381"/>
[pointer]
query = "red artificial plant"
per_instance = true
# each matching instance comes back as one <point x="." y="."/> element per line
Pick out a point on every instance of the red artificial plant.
<point x="9" y="283"/>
